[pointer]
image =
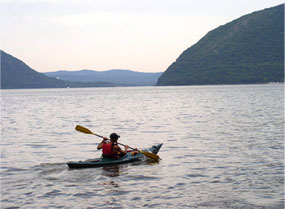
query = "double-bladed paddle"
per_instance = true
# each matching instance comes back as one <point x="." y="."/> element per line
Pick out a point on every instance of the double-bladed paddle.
<point x="87" y="131"/>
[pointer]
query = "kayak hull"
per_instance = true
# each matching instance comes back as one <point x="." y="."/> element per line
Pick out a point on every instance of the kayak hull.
<point x="101" y="162"/>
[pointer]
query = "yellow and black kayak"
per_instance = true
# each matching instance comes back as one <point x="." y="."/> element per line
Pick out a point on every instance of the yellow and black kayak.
<point x="128" y="158"/>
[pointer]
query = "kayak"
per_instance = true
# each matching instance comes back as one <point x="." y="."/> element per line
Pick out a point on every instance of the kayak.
<point x="101" y="162"/>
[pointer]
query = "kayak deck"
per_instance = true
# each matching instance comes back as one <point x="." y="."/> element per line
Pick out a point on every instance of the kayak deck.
<point x="100" y="162"/>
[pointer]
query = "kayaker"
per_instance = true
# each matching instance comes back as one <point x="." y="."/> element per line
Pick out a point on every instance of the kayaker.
<point x="111" y="149"/>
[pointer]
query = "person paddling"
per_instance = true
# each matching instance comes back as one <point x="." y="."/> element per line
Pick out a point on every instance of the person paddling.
<point x="111" y="149"/>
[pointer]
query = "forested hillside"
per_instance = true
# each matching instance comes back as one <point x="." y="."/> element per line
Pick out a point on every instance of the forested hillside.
<point x="247" y="50"/>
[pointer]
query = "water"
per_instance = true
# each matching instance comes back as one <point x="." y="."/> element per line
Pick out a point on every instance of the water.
<point x="223" y="147"/>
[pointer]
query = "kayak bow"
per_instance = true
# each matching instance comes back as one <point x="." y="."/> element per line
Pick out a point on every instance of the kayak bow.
<point x="101" y="162"/>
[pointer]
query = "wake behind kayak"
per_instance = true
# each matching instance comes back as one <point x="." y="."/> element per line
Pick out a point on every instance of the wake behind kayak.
<point x="101" y="162"/>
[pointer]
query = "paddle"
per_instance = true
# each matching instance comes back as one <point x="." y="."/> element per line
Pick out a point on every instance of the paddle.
<point x="87" y="131"/>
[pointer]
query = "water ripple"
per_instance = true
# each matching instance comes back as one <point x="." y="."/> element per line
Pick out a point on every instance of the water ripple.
<point x="223" y="147"/>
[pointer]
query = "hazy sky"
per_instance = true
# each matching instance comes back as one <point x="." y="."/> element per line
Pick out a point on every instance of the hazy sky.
<point x="140" y="35"/>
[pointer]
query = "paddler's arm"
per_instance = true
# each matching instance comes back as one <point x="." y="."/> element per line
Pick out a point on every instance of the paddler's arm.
<point x="100" y="146"/>
<point x="118" y="150"/>
<point x="126" y="149"/>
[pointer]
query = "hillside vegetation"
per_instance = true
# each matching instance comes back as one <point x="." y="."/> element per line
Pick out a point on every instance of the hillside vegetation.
<point x="247" y="50"/>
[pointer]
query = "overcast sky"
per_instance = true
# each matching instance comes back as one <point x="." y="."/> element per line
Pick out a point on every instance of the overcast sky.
<point x="140" y="35"/>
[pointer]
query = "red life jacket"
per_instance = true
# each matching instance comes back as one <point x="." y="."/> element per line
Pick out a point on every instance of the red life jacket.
<point x="107" y="150"/>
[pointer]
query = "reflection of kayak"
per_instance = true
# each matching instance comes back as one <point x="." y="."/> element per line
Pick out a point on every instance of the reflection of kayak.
<point x="100" y="162"/>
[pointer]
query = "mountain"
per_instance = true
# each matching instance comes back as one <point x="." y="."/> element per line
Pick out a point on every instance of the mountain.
<point x="15" y="74"/>
<point x="126" y="77"/>
<point x="249" y="49"/>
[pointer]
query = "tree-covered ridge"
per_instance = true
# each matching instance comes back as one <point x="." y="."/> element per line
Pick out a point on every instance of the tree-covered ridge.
<point x="246" y="50"/>
<point x="15" y="74"/>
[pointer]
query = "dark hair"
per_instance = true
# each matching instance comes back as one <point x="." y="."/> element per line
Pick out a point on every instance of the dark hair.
<point x="114" y="137"/>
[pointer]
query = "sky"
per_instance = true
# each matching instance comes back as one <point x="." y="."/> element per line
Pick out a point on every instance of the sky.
<point x="139" y="35"/>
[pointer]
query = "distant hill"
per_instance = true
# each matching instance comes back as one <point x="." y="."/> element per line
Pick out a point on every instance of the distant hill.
<point x="249" y="49"/>
<point x="15" y="74"/>
<point x="126" y="77"/>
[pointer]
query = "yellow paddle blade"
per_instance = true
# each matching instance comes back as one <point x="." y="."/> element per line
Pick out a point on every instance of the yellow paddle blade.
<point x="83" y="129"/>
<point x="150" y="155"/>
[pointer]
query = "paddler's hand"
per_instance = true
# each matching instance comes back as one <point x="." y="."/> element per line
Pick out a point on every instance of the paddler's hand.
<point x="100" y="146"/>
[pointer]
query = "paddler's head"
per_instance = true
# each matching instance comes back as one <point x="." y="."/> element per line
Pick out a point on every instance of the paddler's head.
<point x="114" y="137"/>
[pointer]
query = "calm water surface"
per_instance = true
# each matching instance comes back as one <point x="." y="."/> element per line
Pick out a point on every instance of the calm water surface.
<point x="223" y="147"/>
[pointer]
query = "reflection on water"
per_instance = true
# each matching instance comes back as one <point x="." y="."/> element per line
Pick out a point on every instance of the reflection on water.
<point x="111" y="171"/>
<point x="223" y="147"/>
<point x="110" y="183"/>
